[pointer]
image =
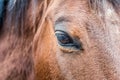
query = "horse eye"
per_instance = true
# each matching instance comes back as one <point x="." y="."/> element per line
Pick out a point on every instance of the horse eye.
<point x="67" y="41"/>
<point x="63" y="38"/>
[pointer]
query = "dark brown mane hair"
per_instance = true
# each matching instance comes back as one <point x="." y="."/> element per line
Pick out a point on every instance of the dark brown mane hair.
<point x="20" y="23"/>
<point x="24" y="16"/>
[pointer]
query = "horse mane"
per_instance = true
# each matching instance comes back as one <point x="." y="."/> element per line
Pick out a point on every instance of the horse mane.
<point x="24" y="16"/>
<point x="20" y="23"/>
<point x="17" y="16"/>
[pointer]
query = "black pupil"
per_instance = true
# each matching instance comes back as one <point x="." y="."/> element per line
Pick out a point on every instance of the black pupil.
<point x="64" y="38"/>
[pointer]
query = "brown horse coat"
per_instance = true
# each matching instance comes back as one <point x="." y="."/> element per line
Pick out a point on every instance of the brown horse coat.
<point x="93" y="23"/>
<point x="29" y="48"/>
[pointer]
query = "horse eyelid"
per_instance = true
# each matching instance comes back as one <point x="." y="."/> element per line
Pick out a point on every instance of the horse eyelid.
<point x="62" y="19"/>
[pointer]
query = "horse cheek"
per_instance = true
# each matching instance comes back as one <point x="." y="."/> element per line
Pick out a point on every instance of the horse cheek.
<point x="46" y="67"/>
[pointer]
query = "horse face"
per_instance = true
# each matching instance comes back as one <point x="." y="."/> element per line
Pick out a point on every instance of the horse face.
<point x="78" y="42"/>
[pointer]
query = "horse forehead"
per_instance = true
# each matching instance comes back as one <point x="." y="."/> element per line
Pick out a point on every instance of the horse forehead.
<point x="70" y="5"/>
<point x="78" y="9"/>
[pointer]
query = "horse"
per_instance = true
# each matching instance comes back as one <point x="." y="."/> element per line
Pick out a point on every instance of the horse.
<point x="78" y="40"/>
<point x="59" y="39"/>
